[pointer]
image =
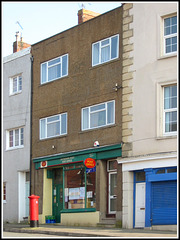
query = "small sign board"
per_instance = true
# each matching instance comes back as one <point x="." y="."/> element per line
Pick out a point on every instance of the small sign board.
<point x="89" y="162"/>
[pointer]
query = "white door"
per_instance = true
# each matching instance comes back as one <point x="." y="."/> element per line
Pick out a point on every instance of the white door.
<point x="27" y="187"/>
<point x="112" y="192"/>
<point x="140" y="205"/>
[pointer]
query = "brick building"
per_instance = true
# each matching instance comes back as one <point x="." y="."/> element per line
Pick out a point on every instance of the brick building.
<point x="76" y="103"/>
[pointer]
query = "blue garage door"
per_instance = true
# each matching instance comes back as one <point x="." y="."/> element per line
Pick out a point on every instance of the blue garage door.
<point x="164" y="203"/>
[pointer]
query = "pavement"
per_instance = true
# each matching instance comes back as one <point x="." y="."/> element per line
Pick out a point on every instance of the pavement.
<point x="90" y="232"/>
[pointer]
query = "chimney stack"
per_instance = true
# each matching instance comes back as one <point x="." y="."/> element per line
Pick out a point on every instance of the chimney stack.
<point x="18" y="45"/>
<point x="85" y="15"/>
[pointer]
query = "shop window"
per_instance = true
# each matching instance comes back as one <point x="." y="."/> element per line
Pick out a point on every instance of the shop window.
<point x="79" y="187"/>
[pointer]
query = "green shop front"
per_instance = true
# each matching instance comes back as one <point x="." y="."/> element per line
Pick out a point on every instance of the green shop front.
<point x="76" y="185"/>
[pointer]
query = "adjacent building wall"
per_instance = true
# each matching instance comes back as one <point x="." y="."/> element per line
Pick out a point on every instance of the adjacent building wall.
<point x="16" y="113"/>
<point x="144" y="71"/>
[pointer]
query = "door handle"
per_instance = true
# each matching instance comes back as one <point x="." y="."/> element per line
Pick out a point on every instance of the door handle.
<point x="57" y="204"/>
<point x="142" y="208"/>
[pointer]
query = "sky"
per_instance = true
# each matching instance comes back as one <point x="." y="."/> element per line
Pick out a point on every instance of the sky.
<point x="37" y="21"/>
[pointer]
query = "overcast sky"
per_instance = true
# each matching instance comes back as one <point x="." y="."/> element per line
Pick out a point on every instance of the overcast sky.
<point x="39" y="20"/>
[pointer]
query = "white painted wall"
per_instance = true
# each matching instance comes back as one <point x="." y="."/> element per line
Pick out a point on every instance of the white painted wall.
<point x="150" y="149"/>
<point x="16" y="113"/>
<point x="150" y="71"/>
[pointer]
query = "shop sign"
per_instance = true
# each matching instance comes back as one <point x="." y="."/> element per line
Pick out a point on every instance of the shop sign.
<point x="89" y="162"/>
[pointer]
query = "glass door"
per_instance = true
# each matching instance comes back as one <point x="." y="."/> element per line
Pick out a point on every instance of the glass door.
<point x="112" y="192"/>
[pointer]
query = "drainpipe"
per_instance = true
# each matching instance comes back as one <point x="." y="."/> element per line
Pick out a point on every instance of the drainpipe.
<point x="31" y="122"/>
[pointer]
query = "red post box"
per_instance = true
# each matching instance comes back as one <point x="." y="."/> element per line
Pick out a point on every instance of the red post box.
<point x="34" y="210"/>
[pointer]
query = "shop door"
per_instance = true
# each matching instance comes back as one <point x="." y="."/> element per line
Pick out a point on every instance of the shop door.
<point x="112" y="192"/>
<point x="58" y="201"/>
<point x="140" y="205"/>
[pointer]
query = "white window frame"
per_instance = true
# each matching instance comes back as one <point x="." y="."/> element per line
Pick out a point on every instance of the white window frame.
<point x="100" y="49"/>
<point x="20" y="138"/>
<point x="46" y="125"/>
<point x="91" y="112"/>
<point x="18" y="85"/>
<point x="48" y="67"/>
<point x="166" y="111"/>
<point x="169" y="36"/>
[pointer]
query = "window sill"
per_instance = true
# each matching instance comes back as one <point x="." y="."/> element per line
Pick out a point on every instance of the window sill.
<point x="78" y="210"/>
<point x="167" y="56"/>
<point x="49" y="138"/>
<point x="50" y="82"/>
<point x="98" y="128"/>
<point x="14" y="94"/>
<point x="166" y="137"/>
<point x="14" y="148"/>
<point x="104" y="64"/>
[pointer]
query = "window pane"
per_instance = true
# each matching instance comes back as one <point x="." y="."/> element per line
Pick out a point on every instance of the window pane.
<point x="14" y="84"/>
<point x="140" y="176"/>
<point x="98" y="119"/>
<point x="110" y="112"/>
<point x="52" y="62"/>
<point x="105" y="54"/>
<point x="104" y="42"/>
<point x="43" y="72"/>
<point x="52" y="119"/>
<point x="20" y="83"/>
<point x="171" y="121"/>
<point x="85" y="118"/>
<point x="95" y="53"/>
<point x="91" y="187"/>
<point x="114" y="47"/>
<point x="17" y="137"/>
<point x="65" y="65"/>
<point x="63" y="123"/>
<point x="97" y="107"/>
<point x="22" y="136"/>
<point x="53" y="129"/>
<point x="74" y="190"/>
<point x="42" y="128"/>
<point x="170" y="97"/>
<point x="11" y="139"/>
<point x="54" y="72"/>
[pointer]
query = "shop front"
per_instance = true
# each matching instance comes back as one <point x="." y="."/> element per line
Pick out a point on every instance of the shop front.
<point x="74" y="185"/>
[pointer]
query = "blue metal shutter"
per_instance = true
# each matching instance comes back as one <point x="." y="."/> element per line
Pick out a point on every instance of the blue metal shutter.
<point x="164" y="203"/>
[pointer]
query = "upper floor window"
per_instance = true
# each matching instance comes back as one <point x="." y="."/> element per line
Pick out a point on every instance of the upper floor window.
<point x="98" y="115"/>
<point x="105" y="50"/>
<point x="54" y="69"/>
<point x="170" y="34"/>
<point x="15" y="138"/>
<point x="170" y="109"/>
<point x="15" y="84"/>
<point x="53" y="126"/>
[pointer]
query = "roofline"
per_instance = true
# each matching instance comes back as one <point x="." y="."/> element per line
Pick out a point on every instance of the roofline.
<point x="77" y="25"/>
